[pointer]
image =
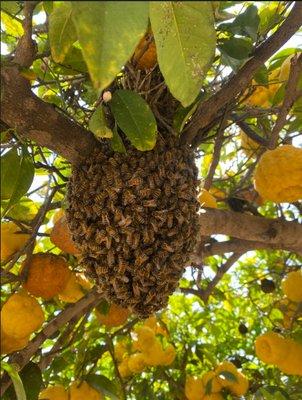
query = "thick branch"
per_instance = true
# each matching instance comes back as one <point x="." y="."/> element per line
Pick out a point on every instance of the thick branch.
<point x="42" y="122"/>
<point x="281" y="234"/>
<point x="208" y="110"/>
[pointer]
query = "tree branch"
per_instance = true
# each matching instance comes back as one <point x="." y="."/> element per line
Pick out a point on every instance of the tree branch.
<point x="208" y="109"/>
<point x="273" y="232"/>
<point x="290" y="96"/>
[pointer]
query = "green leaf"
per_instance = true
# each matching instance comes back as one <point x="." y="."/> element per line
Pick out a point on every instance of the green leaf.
<point x="17" y="382"/>
<point x="62" y="33"/>
<point x="185" y="41"/>
<point x="245" y="24"/>
<point x="117" y="143"/>
<point x="103" y="385"/>
<point x="98" y="125"/>
<point x="17" y="173"/>
<point x="12" y="7"/>
<point x="269" y="17"/>
<point x="24" y="210"/>
<point x="135" y="118"/>
<point x="12" y="26"/>
<point x="238" y="48"/>
<point x="108" y="32"/>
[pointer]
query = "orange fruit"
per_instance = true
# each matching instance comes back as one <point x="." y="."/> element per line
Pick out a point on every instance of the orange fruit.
<point x="61" y="237"/>
<point x="116" y="316"/>
<point x="47" y="275"/>
<point x="145" y="53"/>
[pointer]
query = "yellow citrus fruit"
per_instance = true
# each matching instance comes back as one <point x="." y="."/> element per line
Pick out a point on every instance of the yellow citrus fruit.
<point x="217" y="193"/>
<point x="10" y="344"/>
<point x="124" y="368"/>
<point x="271" y="348"/>
<point x="206" y="199"/>
<point x="213" y="396"/>
<point x="154" y="355"/>
<point x="210" y="379"/>
<point x="194" y="388"/>
<point x="240" y="387"/>
<point x="12" y="240"/>
<point x="153" y="323"/>
<point x="278" y="175"/>
<point x="116" y="316"/>
<point x="145" y="53"/>
<point x="249" y="146"/>
<point x="228" y="367"/>
<point x="169" y="355"/>
<point x="60" y="213"/>
<point x="136" y="363"/>
<point x="61" y="237"/>
<point x="292" y="286"/>
<point x="120" y="349"/>
<point x="145" y="338"/>
<point x="21" y="315"/>
<point x="292" y="363"/>
<point x="72" y="291"/>
<point x="83" y="391"/>
<point x="54" y="393"/>
<point x="47" y="275"/>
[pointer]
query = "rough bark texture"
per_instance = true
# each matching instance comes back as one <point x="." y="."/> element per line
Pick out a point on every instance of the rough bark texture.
<point x="279" y="233"/>
<point x="42" y="122"/>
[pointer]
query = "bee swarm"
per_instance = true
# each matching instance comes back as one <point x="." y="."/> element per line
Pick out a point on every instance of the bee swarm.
<point x="134" y="218"/>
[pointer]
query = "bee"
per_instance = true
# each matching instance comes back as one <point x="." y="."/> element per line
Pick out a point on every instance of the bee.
<point x="140" y="259"/>
<point x="100" y="236"/>
<point x="101" y="269"/>
<point x="139" y="219"/>
<point x="105" y="218"/>
<point x="118" y="215"/>
<point x="108" y="242"/>
<point x="111" y="193"/>
<point x="152" y="184"/>
<point x="148" y="236"/>
<point x="150" y="203"/>
<point x="154" y="225"/>
<point x="122" y="265"/>
<point x="110" y="258"/>
<point x="128" y="197"/>
<point x="135" y="241"/>
<point x="134" y="181"/>
<point x="125" y="222"/>
<point x="167" y="247"/>
<point x="113" y="162"/>
<point x="144" y="192"/>
<point x="157" y="180"/>
<point x="136" y="290"/>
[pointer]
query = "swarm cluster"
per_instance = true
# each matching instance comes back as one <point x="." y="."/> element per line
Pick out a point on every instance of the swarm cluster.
<point x="133" y="217"/>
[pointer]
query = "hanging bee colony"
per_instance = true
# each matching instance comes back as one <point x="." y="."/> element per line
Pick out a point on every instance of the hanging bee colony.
<point x="133" y="215"/>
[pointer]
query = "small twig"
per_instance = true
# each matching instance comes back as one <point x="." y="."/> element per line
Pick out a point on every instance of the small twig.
<point x="248" y="130"/>
<point x="289" y="99"/>
<point x="217" y="150"/>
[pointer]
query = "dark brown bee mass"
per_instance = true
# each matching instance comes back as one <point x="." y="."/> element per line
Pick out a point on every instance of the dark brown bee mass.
<point x="134" y="218"/>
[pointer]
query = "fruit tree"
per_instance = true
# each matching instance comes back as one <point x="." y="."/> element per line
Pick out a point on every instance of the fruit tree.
<point x="151" y="187"/>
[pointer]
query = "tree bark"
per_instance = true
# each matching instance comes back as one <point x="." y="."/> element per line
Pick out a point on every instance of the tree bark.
<point x="42" y="122"/>
<point x="275" y="232"/>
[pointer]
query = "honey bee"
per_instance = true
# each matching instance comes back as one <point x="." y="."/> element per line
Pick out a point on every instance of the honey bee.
<point x="134" y="181"/>
<point x="145" y="192"/>
<point x="139" y="219"/>
<point x="108" y="242"/>
<point x="170" y="218"/>
<point x="113" y="162"/>
<point x="156" y="193"/>
<point x="136" y="290"/>
<point x="101" y="269"/>
<point x="110" y="258"/>
<point x="122" y="265"/>
<point x="100" y="236"/>
<point x="140" y="259"/>
<point x="167" y="247"/>
<point x="128" y="197"/>
<point x="105" y="218"/>
<point x="135" y="241"/>
<point x="125" y="222"/>
<point x="150" y="203"/>
<point x="148" y="236"/>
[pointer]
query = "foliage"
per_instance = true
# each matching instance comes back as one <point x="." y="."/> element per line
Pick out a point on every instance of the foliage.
<point x="83" y="51"/>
